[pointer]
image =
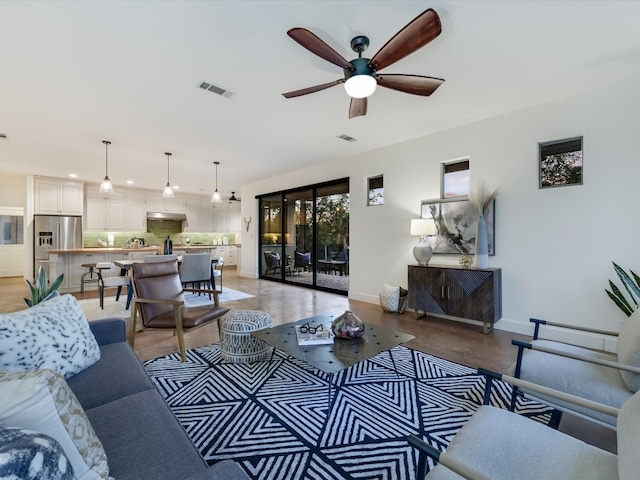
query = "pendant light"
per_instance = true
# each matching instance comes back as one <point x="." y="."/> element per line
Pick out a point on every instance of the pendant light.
<point x="168" y="189"/>
<point x="216" y="198"/>
<point x="105" y="186"/>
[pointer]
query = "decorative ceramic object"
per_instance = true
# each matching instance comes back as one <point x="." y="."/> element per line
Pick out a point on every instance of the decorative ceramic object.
<point x="481" y="199"/>
<point x="481" y="258"/>
<point x="348" y="326"/>
<point x="466" y="260"/>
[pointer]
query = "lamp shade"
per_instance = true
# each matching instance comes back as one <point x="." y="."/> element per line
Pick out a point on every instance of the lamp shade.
<point x="423" y="226"/>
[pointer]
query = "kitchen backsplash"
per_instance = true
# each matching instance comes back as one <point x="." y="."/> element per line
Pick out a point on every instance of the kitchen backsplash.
<point x="158" y="236"/>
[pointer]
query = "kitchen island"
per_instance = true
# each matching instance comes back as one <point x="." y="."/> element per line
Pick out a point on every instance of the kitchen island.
<point x="70" y="261"/>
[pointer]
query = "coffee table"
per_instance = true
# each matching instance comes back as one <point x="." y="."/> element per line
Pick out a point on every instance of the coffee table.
<point x="340" y="355"/>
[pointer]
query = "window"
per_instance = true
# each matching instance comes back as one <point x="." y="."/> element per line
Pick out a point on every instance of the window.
<point x="455" y="178"/>
<point x="376" y="191"/>
<point x="561" y="163"/>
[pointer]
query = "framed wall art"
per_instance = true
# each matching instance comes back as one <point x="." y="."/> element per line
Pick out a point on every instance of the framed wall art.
<point x="560" y="162"/>
<point x="456" y="222"/>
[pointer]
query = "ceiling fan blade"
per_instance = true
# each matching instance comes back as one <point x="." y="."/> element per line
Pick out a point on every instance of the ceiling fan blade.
<point x="415" y="84"/>
<point x="312" y="43"/>
<point x="357" y="107"/>
<point x="317" y="88"/>
<point x="424" y="28"/>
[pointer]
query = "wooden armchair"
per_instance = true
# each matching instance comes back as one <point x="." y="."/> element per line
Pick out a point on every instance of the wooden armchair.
<point x="608" y="378"/>
<point x="159" y="300"/>
<point x="500" y="445"/>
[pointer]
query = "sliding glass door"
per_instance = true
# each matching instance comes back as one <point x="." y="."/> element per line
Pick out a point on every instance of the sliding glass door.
<point x="304" y="236"/>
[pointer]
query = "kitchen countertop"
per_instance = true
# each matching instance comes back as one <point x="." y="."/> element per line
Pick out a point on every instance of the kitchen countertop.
<point x="88" y="250"/>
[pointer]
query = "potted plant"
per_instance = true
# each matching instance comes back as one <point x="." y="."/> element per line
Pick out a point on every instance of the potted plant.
<point x="41" y="291"/>
<point x="632" y="286"/>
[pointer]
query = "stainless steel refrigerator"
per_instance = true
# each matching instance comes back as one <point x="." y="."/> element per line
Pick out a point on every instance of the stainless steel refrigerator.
<point x="52" y="232"/>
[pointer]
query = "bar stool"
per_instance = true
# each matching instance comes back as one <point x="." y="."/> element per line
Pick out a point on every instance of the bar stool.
<point x="84" y="279"/>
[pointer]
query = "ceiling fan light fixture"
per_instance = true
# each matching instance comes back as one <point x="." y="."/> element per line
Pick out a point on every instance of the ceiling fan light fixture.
<point x="360" y="86"/>
<point x="168" y="189"/>
<point x="216" y="197"/>
<point x="106" y="186"/>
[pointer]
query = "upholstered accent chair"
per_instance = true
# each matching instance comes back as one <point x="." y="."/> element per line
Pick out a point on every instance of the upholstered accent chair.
<point x="272" y="263"/>
<point x="606" y="378"/>
<point x="498" y="444"/>
<point x="302" y="261"/>
<point x="159" y="300"/>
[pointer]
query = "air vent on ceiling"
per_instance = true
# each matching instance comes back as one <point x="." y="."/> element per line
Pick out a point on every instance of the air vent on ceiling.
<point x="346" y="138"/>
<point x="215" y="89"/>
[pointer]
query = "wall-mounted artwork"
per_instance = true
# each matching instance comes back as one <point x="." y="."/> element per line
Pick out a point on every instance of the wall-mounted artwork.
<point x="456" y="222"/>
<point x="561" y="163"/>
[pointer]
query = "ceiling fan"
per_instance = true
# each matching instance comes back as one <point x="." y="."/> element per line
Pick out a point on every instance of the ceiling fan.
<point x="361" y="74"/>
<point x="233" y="197"/>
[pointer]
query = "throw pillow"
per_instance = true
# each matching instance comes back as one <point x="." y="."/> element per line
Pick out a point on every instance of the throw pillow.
<point x="54" y="334"/>
<point x="389" y="298"/>
<point x="41" y="400"/>
<point x="628" y="347"/>
<point x="25" y="454"/>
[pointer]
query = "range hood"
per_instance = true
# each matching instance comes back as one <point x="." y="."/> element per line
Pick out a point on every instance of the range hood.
<point x="166" y="216"/>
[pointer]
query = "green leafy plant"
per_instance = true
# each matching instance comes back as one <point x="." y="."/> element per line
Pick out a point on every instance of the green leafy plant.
<point x="632" y="286"/>
<point x="41" y="290"/>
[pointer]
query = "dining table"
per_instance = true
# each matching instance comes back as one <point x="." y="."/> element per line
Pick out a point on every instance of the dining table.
<point x="125" y="266"/>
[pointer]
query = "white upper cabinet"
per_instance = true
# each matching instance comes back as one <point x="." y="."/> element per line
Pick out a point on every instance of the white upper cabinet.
<point x="157" y="203"/>
<point x="58" y="197"/>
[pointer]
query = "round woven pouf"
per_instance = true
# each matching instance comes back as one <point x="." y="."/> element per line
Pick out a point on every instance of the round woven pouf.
<point x="237" y="343"/>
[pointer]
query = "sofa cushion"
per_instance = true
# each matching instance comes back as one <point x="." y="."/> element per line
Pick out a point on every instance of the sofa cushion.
<point x="143" y="439"/>
<point x="628" y="347"/>
<point x="41" y="400"/>
<point x="54" y="334"/>
<point x="27" y="454"/>
<point x="117" y="374"/>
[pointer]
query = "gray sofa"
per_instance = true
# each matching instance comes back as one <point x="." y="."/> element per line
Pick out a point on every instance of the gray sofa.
<point x="141" y="436"/>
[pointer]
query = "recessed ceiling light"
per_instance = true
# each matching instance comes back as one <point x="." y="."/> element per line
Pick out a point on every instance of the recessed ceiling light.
<point x="73" y="175"/>
<point x="129" y="182"/>
<point x="176" y="187"/>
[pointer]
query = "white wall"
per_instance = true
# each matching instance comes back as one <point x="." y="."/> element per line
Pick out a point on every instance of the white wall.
<point x="555" y="246"/>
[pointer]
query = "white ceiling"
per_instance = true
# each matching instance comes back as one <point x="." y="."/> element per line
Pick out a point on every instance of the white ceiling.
<point x="75" y="73"/>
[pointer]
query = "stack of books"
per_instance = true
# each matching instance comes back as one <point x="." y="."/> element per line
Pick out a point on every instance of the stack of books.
<point x="320" y="337"/>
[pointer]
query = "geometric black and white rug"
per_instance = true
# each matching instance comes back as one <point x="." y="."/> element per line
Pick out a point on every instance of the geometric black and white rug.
<point x="277" y="421"/>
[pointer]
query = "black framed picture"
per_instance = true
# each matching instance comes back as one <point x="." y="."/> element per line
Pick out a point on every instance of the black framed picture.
<point x="456" y="221"/>
<point x="560" y="163"/>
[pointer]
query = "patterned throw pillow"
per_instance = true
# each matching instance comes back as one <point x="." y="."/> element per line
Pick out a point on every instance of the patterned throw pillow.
<point x="25" y="454"/>
<point x="41" y="400"/>
<point x="54" y="334"/>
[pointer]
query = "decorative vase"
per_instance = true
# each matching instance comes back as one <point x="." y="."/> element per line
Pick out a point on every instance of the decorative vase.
<point x="481" y="258"/>
<point x="348" y="326"/>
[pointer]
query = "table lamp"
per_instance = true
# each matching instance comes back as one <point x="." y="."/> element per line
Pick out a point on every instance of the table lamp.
<point x="422" y="251"/>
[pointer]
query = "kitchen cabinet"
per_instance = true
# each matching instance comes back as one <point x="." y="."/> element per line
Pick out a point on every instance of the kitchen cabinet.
<point x="58" y="197"/>
<point x="226" y="219"/>
<point x="228" y="252"/>
<point x="207" y="218"/>
<point x="106" y="214"/>
<point x="135" y="217"/>
<point x="157" y="203"/>
<point x="470" y="293"/>
<point x="192" y="211"/>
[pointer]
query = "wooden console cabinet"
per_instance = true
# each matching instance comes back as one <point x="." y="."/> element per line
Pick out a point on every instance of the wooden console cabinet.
<point x="471" y="293"/>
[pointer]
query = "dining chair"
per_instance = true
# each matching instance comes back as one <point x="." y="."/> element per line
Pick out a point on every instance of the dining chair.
<point x="195" y="270"/>
<point x="118" y="281"/>
<point x="159" y="299"/>
<point x="160" y="258"/>
<point x="216" y="272"/>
